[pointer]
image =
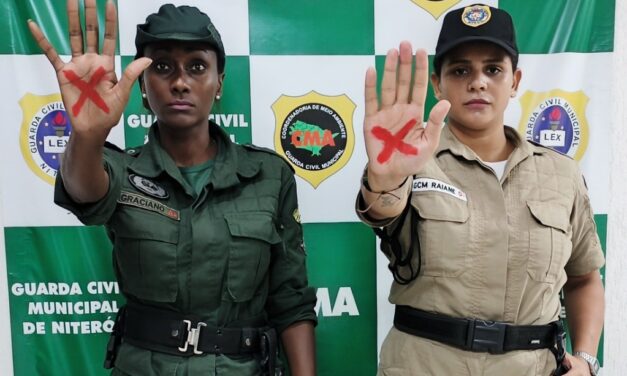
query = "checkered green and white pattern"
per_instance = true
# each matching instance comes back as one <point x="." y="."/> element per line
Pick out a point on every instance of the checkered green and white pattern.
<point x="275" y="48"/>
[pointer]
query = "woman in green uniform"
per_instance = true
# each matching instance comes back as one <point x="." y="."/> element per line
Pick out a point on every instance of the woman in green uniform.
<point x="482" y="228"/>
<point x="207" y="243"/>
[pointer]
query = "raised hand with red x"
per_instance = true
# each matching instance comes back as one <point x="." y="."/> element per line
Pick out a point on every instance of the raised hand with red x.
<point x="93" y="97"/>
<point x="397" y="143"/>
<point x="91" y="92"/>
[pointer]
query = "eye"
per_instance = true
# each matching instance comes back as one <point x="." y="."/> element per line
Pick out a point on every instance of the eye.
<point x="493" y="69"/>
<point x="459" y="71"/>
<point x="197" y="67"/>
<point x="161" y="67"/>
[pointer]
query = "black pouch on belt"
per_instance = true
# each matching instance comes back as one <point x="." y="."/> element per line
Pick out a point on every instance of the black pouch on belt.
<point x="270" y="353"/>
<point x="559" y="351"/>
<point x="115" y="339"/>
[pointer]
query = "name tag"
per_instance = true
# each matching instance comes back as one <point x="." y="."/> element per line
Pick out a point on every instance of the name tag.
<point x="427" y="184"/>
<point x="142" y="202"/>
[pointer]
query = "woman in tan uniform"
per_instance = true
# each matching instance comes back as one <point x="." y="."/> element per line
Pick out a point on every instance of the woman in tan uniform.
<point x="482" y="228"/>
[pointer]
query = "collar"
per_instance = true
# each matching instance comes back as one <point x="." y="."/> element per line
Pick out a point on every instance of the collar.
<point x="231" y="163"/>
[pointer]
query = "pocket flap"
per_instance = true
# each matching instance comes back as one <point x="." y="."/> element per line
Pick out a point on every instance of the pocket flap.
<point x="439" y="207"/>
<point x="253" y="225"/>
<point x="550" y="214"/>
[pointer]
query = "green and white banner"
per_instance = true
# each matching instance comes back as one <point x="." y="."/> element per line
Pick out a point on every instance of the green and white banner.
<point x="294" y="83"/>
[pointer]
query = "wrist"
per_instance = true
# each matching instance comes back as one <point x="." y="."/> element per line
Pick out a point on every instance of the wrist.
<point x="591" y="361"/>
<point x="380" y="184"/>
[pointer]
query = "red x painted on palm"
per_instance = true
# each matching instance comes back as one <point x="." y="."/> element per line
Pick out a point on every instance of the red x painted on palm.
<point x="391" y="142"/>
<point x="87" y="90"/>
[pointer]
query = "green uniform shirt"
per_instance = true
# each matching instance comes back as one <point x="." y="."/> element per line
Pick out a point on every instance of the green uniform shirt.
<point x="232" y="254"/>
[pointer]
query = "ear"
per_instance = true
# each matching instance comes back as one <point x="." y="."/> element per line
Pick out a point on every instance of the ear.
<point x="142" y="90"/>
<point x="221" y="77"/>
<point x="516" y="81"/>
<point x="435" y="83"/>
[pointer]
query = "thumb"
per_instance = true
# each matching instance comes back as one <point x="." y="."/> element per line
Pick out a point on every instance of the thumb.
<point x="436" y="119"/>
<point x="131" y="73"/>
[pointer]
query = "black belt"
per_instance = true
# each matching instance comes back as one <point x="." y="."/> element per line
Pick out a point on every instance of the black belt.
<point x="176" y="334"/>
<point x="476" y="335"/>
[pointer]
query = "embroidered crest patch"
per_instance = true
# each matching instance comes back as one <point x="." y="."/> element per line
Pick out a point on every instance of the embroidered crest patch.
<point x="476" y="15"/>
<point x="148" y="186"/>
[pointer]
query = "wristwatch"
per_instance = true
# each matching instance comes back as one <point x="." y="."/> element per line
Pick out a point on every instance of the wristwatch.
<point x="593" y="363"/>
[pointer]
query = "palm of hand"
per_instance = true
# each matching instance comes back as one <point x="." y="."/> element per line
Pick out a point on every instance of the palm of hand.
<point x="396" y="143"/>
<point x="88" y="85"/>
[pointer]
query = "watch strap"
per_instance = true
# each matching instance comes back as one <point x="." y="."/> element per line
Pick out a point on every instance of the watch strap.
<point x="592" y="361"/>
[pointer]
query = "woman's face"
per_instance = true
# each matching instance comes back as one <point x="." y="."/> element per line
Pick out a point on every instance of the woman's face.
<point x="181" y="83"/>
<point x="478" y="80"/>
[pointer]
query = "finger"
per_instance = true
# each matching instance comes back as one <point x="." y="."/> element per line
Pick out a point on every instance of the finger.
<point x="421" y="79"/>
<point x="111" y="29"/>
<point x="436" y="119"/>
<point x="131" y="73"/>
<point x="91" y="26"/>
<point x="371" y="101"/>
<point x="388" y="85"/>
<point x="404" y="72"/>
<point x="76" y="33"/>
<point x="45" y="46"/>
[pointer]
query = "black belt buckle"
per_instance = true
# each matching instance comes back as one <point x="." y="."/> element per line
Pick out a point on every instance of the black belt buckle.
<point x="486" y="336"/>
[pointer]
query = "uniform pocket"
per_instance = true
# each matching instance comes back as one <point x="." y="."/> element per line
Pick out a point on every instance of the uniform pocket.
<point x="549" y="240"/>
<point x="252" y="235"/>
<point x="443" y="232"/>
<point x="146" y="254"/>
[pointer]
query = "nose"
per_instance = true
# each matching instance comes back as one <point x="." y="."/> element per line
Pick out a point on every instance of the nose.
<point x="478" y="82"/>
<point x="179" y="83"/>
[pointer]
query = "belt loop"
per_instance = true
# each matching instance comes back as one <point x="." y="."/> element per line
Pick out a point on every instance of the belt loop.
<point x="470" y="334"/>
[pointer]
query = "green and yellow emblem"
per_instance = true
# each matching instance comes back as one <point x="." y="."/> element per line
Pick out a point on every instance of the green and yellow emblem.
<point x="315" y="133"/>
<point x="436" y="8"/>
<point x="556" y="119"/>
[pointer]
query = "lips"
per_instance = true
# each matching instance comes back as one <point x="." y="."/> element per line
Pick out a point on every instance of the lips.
<point x="476" y="102"/>
<point x="180" y="105"/>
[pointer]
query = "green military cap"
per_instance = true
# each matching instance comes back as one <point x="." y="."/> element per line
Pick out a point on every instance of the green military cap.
<point x="182" y="23"/>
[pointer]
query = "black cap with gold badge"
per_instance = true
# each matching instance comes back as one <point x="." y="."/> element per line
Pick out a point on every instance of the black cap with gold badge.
<point x="182" y="23"/>
<point x="474" y="23"/>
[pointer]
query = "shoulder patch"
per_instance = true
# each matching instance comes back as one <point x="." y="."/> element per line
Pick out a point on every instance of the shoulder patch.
<point x="268" y="151"/>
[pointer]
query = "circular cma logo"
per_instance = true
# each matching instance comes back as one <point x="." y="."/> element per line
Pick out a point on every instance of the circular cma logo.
<point x="44" y="136"/>
<point x="313" y="136"/>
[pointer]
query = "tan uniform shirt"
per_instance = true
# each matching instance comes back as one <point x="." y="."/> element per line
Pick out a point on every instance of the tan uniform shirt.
<point x="494" y="250"/>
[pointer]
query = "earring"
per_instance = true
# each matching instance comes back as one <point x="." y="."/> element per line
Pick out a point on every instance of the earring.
<point x="144" y="95"/>
<point x="218" y="97"/>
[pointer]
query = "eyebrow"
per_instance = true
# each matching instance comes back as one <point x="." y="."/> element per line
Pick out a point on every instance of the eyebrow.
<point x="491" y="60"/>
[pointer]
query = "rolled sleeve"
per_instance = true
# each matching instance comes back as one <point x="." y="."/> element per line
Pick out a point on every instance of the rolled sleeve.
<point x="290" y="299"/>
<point x="99" y="212"/>
<point x="587" y="255"/>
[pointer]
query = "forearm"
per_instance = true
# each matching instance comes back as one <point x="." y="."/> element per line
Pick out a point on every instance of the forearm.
<point x="299" y="344"/>
<point x="84" y="176"/>
<point x="585" y="310"/>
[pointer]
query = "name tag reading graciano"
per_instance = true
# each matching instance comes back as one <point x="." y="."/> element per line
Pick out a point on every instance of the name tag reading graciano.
<point x="427" y="184"/>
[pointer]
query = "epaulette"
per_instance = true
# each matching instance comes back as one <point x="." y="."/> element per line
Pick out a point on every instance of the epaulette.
<point x="269" y="151"/>
<point x="548" y="148"/>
